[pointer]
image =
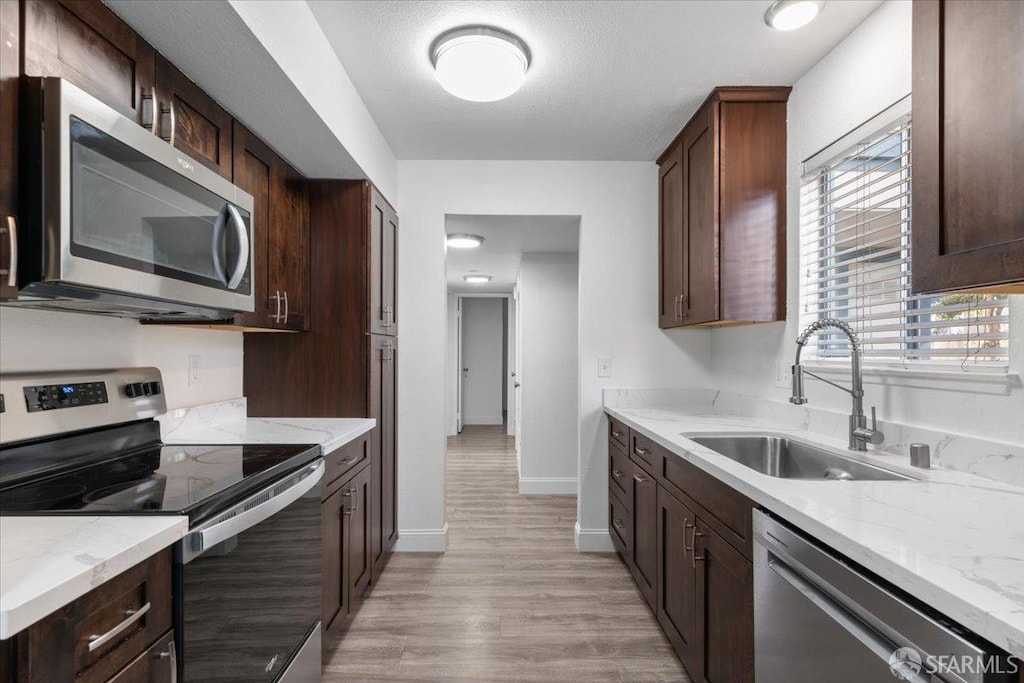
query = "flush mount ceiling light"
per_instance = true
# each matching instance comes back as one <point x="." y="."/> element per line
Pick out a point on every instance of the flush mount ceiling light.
<point x="480" y="63"/>
<point x="464" y="240"/>
<point x="787" y="15"/>
<point x="476" y="279"/>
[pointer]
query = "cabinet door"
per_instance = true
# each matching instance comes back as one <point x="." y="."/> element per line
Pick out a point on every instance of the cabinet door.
<point x="389" y="450"/>
<point x="725" y="611"/>
<point x="645" y="534"/>
<point x="336" y="544"/>
<point x="88" y="45"/>
<point x="376" y="409"/>
<point x="670" y="238"/>
<point x="190" y="120"/>
<point x="968" y="114"/>
<point x="383" y="266"/>
<point x="391" y="268"/>
<point x="676" y="593"/>
<point x="288" y="248"/>
<point x="253" y="172"/>
<point x="158" y="664"/>
<point x="10" y="37"/>
<point x="700" y="217"/>
<point x="359" y="560"/>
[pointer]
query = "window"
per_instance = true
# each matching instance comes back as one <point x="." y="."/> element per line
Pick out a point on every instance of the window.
<point x="855" y="262"/>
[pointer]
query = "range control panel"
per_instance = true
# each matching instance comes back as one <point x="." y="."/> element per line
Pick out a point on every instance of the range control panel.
<point x="54" y="396"/>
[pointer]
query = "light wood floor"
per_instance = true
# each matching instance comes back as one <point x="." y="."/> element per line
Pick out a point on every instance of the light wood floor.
<point x="511" y="600"/>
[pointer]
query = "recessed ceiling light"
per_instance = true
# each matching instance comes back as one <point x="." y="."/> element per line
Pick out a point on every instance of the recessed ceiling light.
<point x="480" y="63"/>
<point x="476" y="279"/>
<point x="787" y="15"/>
<point x="463" y="240"/>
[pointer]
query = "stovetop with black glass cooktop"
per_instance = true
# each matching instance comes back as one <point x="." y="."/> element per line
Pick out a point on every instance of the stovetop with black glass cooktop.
<point x="127" y="471"/>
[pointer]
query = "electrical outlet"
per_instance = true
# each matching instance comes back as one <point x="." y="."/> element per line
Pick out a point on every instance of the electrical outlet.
<point x="783" y="374"/>
<point x="193" y="370"/>
<point x="604" y="366"/>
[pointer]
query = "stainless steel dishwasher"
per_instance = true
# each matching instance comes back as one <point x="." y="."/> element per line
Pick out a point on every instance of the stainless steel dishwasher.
<point x="817" y="617"/>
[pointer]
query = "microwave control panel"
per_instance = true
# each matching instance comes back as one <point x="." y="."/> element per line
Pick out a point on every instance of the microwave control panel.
<point x="55" y="396"/>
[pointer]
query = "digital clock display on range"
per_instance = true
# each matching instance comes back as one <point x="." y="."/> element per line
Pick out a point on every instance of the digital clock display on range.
<point x="56" y="396"/>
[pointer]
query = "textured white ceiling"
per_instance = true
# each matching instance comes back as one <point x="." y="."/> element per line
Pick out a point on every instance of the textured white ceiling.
<point x="506" y="239"/>
<point x="609" y="80"/>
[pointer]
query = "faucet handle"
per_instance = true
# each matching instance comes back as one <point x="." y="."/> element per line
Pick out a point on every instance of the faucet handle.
<point x="874" y="420"/>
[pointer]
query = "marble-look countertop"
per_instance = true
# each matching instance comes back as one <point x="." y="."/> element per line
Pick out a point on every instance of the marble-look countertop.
<point x="48" y="561"/>
<point x="226" y="423"/>
<point x="953" y="540"/>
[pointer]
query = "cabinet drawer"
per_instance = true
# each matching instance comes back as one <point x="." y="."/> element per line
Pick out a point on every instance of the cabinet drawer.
<point x="731" y="513"/>
<point x="155" y="665"/>
<point x="645" y="452"/>
<point x="620" y="523"/>
<point x="619" y="468"/>
<point x="344" y="460"/>
<point x="618" y="432"/>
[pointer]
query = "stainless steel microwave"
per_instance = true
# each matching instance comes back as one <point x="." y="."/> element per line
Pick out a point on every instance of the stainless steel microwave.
<point x="115" y="220"/>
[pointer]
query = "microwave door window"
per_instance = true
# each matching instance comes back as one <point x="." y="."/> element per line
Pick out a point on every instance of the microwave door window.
<point x="130" y="211"/>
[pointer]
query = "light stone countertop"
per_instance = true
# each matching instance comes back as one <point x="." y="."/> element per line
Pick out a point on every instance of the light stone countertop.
<point x="953" y="540"/>
<point x="48" y="561"/>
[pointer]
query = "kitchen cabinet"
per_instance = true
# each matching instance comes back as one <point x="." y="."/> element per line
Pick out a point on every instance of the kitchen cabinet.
<point x="131" y="613"/>
<point x="281" y="234"/>
<point x="190" y="120"/>
<point x="722" y="212"/>
<point x="346" y="550"/>
<point x="686" y="538"/>
<point x="10" y="70"/>
<point x="968" y="119"/>
<point x="341" y="367"/>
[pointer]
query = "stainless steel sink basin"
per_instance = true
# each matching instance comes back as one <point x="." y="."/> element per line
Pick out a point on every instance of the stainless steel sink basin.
<point x="779" y="456"/>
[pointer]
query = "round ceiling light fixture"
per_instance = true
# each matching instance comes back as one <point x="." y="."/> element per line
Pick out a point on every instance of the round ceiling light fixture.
<point x="477" y="279"/>
<point x="787" y="15"/>
<point x="480" y="63"/>
<point x="464" y="240"/>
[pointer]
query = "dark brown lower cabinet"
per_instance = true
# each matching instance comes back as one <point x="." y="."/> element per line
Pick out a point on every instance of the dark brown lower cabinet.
<point x="645" y="538"/>
<point x="383" y="374"/>
<point x="131" y="613"/>
<point x="676" y="595"/>
<point x="345" y="516"/>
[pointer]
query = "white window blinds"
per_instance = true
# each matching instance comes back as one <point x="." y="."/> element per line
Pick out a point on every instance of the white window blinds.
<point x="855" y="264"/>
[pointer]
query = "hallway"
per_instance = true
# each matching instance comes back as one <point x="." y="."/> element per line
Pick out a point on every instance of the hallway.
<point x="511" y="600"/>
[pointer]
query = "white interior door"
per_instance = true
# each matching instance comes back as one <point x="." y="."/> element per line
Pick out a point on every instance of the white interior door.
<point x="459" y="367"/>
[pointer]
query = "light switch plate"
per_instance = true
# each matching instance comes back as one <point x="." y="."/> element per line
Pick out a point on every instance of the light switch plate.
<point x="604" y="366"/>
<point x="783" y="374"/>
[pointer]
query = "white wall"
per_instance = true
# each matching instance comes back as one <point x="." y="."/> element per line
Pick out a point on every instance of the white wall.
<point x="510" y="367"/>
<point x="482" y="353"/>
<point x="548" y="298"/>
<point x="47" y="340"/>
<point x="863" y="75"/>
<point x="618" y="282"/>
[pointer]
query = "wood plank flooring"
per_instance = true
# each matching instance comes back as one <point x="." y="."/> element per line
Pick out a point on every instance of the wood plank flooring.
<point x="511" y="600"/>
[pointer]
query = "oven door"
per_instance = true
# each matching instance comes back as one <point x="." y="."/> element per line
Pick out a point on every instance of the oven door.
<point x="248" y="595"/>
<point x="126" y="212"/>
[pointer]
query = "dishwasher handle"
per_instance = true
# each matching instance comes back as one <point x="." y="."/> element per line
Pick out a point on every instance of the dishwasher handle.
<point x="877" y="644"/>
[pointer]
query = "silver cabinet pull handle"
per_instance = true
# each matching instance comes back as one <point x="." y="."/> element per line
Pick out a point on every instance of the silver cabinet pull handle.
<point x="694" y="559"/>
<point x="617" y="523"/>
<point x="686" y="525"/>
<point x="172" y="658"/>
<point x="640" y="479"/>
<point x="12" y="237"/>
<point x="277" y="308"/>
<point x="349" y="461"/>
<point x="284" y="318"/>
<point x="353" y="494"/>
<point x="616" y="434"/>
<point x="642" y="452"/>
<point x="617" y="473"/>
<point x="96" y="642"/>
<point x="148" y="102"/>
<point x="169" y="110"/>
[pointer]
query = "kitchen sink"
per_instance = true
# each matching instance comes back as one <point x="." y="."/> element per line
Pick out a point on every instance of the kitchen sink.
<point x="779" y="456"/>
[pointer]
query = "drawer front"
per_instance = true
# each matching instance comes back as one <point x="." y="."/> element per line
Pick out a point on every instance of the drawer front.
<point x="618" y="432"/>
<point x="619" y="469"/>
<point x="155" y="665"/>
<point x="620" y="523"/>
<point x="130" y="612"/>
<point x="346" y="459"/>
<point x="730" y="513"/>
<point x="645" y="452"/>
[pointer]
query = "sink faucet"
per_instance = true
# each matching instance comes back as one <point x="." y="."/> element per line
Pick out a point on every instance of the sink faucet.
<point x="860" y="434"/>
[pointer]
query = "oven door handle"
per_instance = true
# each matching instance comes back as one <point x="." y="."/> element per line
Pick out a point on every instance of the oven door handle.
<point x="251" y="511"/>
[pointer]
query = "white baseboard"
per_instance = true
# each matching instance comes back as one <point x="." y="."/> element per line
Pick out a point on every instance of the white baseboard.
<point x="422" y="540"/>
<point x="547" y="485"/>
<point x="483" y="420"/>
<point x="593" y="540"/>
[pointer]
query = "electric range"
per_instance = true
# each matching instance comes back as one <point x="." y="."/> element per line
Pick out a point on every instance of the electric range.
<point x="86" y="442"/>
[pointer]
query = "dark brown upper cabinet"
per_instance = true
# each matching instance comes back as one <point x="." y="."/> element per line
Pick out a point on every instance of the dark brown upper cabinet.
<point x="383" y="223"/>
<point x="281" y="233"/>
<point x="968" y="118"/>
<point x="722" y="212"/>
<point x="10" y="70"/>
<point x="190" y="120"/>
